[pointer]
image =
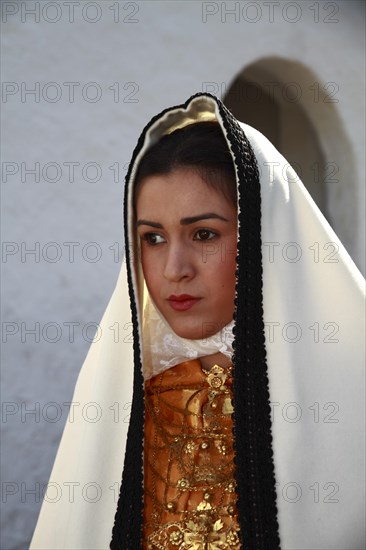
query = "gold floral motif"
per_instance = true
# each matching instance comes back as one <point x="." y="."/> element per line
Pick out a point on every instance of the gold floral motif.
<point x="182" y="483"/>
<point x="223" y="448"/>
<point x="231" y="510"/>
<point x="196" y="536"/>
<point x="233" y="539"/>
<point x="200" y="541"/>
<point x="204" y="533"/>
<point x="217" y="377"/>
<point x="204" y="506"/>
<point x="190" y="447"/>
<point x="176" y="537"/>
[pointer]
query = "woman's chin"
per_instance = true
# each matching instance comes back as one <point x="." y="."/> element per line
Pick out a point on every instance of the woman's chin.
<point x="190" y="331"/>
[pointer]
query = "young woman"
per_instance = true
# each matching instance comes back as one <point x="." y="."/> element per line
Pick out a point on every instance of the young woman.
<point x="246" y="389"/>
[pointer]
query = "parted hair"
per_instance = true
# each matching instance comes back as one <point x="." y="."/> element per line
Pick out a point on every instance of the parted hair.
<point x="201" y="146"/>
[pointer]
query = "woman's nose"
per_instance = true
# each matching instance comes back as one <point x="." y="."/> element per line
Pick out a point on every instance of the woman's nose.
<point x="179" y="264"/>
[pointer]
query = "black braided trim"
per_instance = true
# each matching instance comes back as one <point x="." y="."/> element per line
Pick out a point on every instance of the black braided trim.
<point x="252" y="412"/>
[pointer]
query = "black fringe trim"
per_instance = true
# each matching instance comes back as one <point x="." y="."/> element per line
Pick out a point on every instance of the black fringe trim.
<point x="252" y="413"/>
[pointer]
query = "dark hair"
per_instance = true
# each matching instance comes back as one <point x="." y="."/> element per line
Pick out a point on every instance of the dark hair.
<point x="201" y="146"/>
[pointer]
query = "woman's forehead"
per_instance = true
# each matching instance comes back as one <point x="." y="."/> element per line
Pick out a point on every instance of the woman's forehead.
<point x="184" y="184"/>
<point x="183" y="188"/>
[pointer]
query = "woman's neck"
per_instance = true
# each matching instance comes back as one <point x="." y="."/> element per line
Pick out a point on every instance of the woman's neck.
<point x="208" y="361"/>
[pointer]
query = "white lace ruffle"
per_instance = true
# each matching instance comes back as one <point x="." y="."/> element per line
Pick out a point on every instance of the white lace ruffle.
<point x="162" y="348"/>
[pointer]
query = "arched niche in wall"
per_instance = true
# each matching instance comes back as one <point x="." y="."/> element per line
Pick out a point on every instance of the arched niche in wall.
<point x="291" y="106"/>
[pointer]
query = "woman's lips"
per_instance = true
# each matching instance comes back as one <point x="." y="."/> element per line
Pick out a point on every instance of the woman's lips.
<point x="182" y="302"/>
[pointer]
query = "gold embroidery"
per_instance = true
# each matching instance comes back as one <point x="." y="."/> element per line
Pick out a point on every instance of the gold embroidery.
<point x="190" y="499"/>
<point x="217" y="377"/>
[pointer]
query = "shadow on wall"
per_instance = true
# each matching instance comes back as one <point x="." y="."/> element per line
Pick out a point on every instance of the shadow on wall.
<point x="297" y="111"/>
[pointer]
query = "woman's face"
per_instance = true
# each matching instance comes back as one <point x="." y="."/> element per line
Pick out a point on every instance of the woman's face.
<point x="188" y="234"/>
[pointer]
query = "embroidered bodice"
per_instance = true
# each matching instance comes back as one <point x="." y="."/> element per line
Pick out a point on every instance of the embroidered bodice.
<point x="190" y="498"/>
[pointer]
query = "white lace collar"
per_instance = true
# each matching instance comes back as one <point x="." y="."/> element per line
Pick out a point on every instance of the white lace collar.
<point x="162" y="348"/>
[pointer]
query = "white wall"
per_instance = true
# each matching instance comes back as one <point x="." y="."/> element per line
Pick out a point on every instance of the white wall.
<point x="158" y="53"/>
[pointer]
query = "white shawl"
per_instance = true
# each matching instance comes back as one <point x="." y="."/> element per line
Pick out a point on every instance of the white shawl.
<point x="314" y="318"/>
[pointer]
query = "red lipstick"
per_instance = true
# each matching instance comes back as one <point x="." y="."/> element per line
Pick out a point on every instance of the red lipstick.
<point x="182" y="302"/>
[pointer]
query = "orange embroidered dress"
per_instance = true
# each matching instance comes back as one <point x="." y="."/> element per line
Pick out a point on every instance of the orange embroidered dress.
<point x="190" y="498"/>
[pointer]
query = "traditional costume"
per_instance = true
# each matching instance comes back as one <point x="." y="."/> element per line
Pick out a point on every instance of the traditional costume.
<point x="265" y="454"/>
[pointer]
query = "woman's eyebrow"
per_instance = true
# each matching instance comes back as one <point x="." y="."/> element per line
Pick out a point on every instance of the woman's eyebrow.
<point x="184" y="221"/>
<point x="151" y="224"/>
<point x="206" y="216"/>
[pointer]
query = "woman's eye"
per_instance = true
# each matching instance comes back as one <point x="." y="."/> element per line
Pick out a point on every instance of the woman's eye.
<point x="204" y="235"/>
<point x="153" y="238"/>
